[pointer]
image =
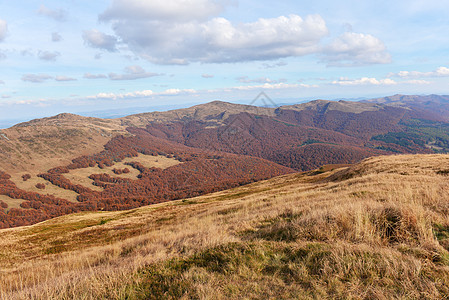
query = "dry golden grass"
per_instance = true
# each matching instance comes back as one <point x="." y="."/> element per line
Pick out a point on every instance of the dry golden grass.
<point x="12" y="203"/>
<point x="376" y="230"/>
<point x="52" y="142"/>
<point x="149" y="161"/>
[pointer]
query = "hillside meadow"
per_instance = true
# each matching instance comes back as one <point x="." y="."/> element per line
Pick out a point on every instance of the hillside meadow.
<point x="375" y="230"/>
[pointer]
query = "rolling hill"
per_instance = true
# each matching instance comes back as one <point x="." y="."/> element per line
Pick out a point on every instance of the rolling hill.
<point x="378" y="229"/>
<point x="67" y="163"/>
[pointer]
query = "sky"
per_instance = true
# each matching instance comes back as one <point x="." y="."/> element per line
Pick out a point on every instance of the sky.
<point x="117" y="56"/>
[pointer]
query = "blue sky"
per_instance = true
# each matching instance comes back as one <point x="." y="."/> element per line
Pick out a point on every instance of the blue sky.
<point x="82" y="56"/>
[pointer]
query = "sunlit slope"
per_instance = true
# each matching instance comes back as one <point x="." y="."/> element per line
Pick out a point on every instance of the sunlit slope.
<point x="378" y="229"/>
<point x="42" y="144"/>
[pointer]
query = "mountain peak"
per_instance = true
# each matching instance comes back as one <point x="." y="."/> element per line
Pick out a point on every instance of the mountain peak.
<point x="218" y="104"/>
<point x="65" y="117"/>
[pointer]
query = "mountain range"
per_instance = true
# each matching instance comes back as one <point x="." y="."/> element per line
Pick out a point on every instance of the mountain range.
<point x="68" y="163"/>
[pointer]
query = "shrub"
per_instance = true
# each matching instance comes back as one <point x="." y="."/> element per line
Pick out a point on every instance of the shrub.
<point x="40" y="186"/>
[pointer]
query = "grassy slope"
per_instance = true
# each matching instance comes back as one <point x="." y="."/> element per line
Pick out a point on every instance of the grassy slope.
<point x="42" y="144"/>
<point x="379" y="229"/>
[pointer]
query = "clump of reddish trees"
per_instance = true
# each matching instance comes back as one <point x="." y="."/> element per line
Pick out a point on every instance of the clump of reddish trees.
<point x="120" y="171"/>
<point x="3" y="205"/>
<point x="40" y="186"/>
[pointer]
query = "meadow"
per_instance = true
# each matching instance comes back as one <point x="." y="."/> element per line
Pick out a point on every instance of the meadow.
<point x="374" y="230"/>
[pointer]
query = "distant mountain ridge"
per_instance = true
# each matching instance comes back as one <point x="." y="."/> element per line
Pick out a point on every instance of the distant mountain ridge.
<point x="436" y="105"/>
<point x="90" y="134"/>
<point x="316" y="113"/>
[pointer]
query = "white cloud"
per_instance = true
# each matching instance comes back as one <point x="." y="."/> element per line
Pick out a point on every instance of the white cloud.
<point x="173" y="92"/>
<point x="271" y="86"/>
<point x="64" y="78"/>
<point x="56" y="37"/>
<point x="246" y="79"/>
<point x="275" y="65"/>
<point x="181" y="32"/>
<point x="172" y="10"/>
<point x="263" y="39"/>
<point x="2" y="82"/>
<point x="186" y="31"/>
<point x="27" y="52"/>
<point x="439" y="72"/>
<point x="442" y="71"/>
<point x="2" y="55"/>
<point x="36" y="78"/>
<point x="417" y="81"/>
<point x="100" y="40"/>
<point x="177" y="92"/>
<point x="355" y="49"/>
<point x="207" y="76"/>
<point x="48" y="56"/>
<point x="364" y="81"/>
<point x="103" y="96"/>
<point x="55" y="14"/>
<point x="3" y="29"/>
<point x="132" y="73"/>
<point x="140" y="94"/>
<point x="94" y="76"/>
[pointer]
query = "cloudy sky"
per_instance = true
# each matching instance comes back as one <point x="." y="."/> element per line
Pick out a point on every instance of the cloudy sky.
<point x="82" y="56"/>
